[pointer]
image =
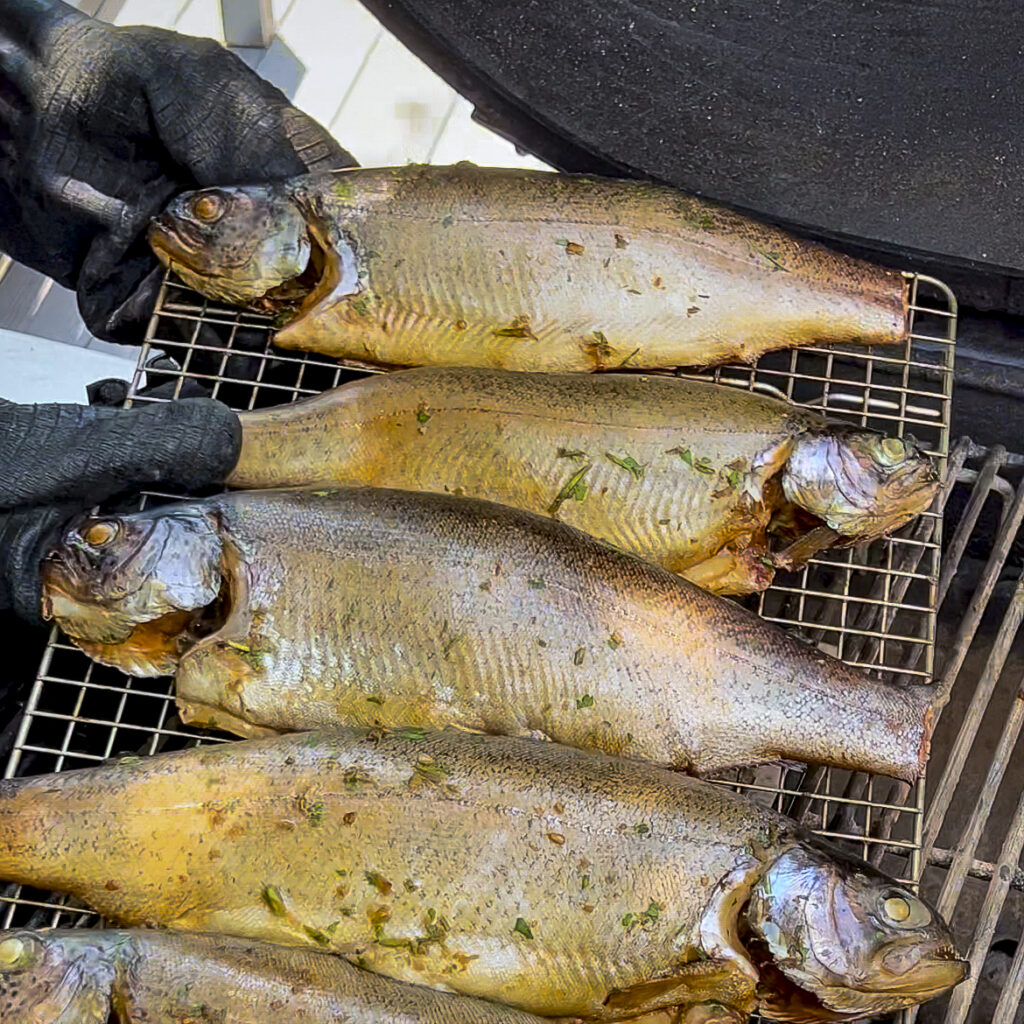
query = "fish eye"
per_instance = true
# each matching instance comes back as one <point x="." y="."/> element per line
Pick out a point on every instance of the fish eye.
<point x="892" y="450"/>
<point x="904" y="910"/>
<point x="100" y="533"/>
<point x="207" y="208"/>
<point x="14" y="952"/>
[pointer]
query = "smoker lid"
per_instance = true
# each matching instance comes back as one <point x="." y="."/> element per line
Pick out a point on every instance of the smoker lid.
<point x="895" y="125"/>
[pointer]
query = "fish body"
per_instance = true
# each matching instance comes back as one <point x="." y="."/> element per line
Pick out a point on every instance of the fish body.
<point x="530" y="874"/>
<point x="375" y="607"/>
<point x="677" y="471"/>
<point x="527" y="270"/>
<point x="143" y="976"/>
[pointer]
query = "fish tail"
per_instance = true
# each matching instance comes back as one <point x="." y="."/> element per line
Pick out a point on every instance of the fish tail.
<point x="862" y="724"/>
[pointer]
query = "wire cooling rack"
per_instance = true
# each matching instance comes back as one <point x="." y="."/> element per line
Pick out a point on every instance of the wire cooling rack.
<point x="873" y="606"/>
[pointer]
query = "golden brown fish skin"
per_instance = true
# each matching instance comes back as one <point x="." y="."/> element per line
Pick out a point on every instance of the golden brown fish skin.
<point x="160" y="977"/>
<point x="418" y="856"/>
<point x="522" y="439"/>
<point x="531" y="270"/>
<point x="368" y="606"/>
<point x="672" y="470"/>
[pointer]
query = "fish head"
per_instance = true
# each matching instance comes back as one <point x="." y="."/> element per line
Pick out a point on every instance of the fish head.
<point x="860" y="482"/>
<point x="113" y="575"/>
<point x="233" y="244"/>
<point x="843" y="941"/>
<point x="59" y="977"/>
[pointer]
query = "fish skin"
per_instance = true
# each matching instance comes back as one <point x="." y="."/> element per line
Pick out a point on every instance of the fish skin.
<point x="161" y="977"/>
<point x="531" y="270"/>
<point x="433" y="858"/>
<point x="702" y="455"/>
<point x="194" y="840"/>
<point x="368" y="606"/>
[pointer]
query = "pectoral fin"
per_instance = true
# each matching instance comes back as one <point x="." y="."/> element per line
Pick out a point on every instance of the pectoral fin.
<point x="733" y="572"/>
<point x="701" y="982"/>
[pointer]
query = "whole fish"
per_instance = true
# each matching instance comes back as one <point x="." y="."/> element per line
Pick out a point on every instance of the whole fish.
<point x="286" y="610"/>
<point x="526" y="270"/>
<point x="83" y="976"/>
<point x="688" y="474"/>
<point x="556" y="881"/>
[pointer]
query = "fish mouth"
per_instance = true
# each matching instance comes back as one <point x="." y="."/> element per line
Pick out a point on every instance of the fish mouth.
<point x="782" y="999"/>
<point x="174" y="243"/>
<point x="940" y="970"/>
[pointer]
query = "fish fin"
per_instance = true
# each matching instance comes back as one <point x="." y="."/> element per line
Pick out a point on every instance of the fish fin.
<point x="733" y="572"/>
<point x="151" y="649"/>
<point x="203" y="716"/>
<point x="210" y="684"/>
<point x="690" y="985"/>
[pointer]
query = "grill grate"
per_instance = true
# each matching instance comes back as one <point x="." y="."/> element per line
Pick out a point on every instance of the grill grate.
<point x="874" y="607"/>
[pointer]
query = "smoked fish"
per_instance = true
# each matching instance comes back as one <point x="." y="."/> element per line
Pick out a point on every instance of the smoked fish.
<point x="143" y="976"/>
<point x="522" y="270"/>
<point x="690" y="475"/>
<point x="294" y="609"/>
<point x="559" y="882"/>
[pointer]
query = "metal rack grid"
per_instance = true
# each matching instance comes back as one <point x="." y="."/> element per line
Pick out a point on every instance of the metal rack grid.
<point x="873" y="606"/>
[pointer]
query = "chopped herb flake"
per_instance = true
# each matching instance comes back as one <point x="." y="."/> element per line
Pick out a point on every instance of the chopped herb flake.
<point x="374" y="699"/>
<point x="585" y="882"/>
<point x="641" y="828"/>
<point x="514" y="332"/>
<point x="614" y="641"/>
<point x="410" y="733"/>
<point x="422" y="416"/>
<point x="620" y="242"/>
<point x="586" y="701"/>
<point x="628" y="463"/>
<point x="574" y="488"/>
<point x="274" y="901"/>
<point x="316" y="935"/>
<point x="565" y="453"/>
<point x="379" y="882"/>
<point x="577" y="658"/>
<point x="523" y="928"/>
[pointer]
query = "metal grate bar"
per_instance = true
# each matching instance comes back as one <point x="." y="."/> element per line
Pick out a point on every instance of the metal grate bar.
<point x="999" y="886"/>
<point x="874" y="605"/>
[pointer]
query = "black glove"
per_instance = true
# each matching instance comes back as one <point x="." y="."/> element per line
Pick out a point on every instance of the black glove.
<point x="61" y="459"/>
<point x="100" y="126"/>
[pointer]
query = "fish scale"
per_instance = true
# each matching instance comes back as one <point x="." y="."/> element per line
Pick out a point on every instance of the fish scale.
<point x="497" y="435"/>
<point x="339" y="841"/>
<point x="338" y="589"/>
<point x="151" y="977"/>
<point x="466" y="252"/>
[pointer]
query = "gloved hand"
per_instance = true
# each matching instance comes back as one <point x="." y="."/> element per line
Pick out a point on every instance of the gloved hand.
<point x="101" y="126"/>
<point x="60" y="459"/>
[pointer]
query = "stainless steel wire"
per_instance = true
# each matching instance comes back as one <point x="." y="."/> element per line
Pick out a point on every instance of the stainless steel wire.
<point x="873" y="606"/>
